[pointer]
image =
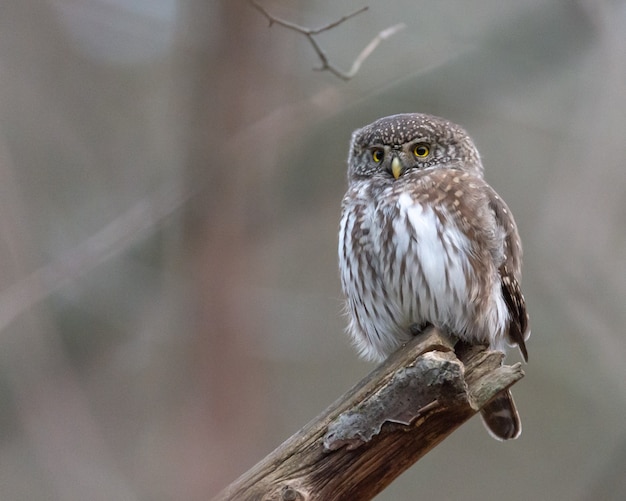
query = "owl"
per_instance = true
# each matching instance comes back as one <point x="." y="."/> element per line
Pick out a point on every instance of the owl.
<point x="424" y="240"/>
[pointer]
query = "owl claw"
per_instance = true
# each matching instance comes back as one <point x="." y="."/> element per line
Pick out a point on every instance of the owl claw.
<point x="417" y="329"/>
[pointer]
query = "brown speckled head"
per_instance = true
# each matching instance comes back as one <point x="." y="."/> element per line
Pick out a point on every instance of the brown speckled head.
<point x="418" y="140"/>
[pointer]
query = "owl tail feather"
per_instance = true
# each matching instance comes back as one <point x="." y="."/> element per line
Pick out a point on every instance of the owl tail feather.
<point x="501" y="418"/>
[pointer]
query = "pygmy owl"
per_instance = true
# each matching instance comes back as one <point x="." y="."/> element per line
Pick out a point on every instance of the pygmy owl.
<point x="424" y="240"/>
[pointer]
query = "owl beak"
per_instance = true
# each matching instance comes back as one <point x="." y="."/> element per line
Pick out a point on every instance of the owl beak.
<point x="396" y="167"/>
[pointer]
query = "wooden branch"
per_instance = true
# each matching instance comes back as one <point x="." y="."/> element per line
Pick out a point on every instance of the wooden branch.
<point x="380" y="427"/>
<point x="309" y="33"/>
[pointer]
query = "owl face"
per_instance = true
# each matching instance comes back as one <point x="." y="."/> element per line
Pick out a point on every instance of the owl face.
<point x="396" y="146"/>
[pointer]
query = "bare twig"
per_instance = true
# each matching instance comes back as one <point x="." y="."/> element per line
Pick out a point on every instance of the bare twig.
<point x="309" y="33"/>
<point x="365" y="53"/>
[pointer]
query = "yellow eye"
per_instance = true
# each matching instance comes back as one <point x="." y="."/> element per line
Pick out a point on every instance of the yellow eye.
<point x="377" y="155"/>
<point x="421" y="151"/>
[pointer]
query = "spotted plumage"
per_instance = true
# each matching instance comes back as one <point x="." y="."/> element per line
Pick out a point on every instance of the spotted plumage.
<point x="425" y="240"/>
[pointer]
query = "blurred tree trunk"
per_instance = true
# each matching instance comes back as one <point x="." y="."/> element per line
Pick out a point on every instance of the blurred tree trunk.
<point x="218" y="73"/>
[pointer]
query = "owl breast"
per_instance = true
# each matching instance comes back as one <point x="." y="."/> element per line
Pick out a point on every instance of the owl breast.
<point x="405" y="262"/>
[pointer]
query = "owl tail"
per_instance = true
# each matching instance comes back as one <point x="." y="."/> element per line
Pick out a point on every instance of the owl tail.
<point x="501" y="418"/>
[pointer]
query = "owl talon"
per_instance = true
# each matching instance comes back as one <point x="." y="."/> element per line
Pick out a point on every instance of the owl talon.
<point x="417" y="329"/>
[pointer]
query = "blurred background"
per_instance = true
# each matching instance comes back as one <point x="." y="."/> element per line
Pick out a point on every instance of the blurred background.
<point x="170" y="177"/>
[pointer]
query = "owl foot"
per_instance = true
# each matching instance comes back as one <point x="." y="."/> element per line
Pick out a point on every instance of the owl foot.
<point x="417" y="329"/>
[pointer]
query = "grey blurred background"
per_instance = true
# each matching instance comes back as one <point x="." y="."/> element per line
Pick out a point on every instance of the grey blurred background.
<point x="170" y="179"/>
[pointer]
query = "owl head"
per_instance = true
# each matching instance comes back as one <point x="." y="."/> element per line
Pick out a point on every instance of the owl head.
<point x="399" y="145"/>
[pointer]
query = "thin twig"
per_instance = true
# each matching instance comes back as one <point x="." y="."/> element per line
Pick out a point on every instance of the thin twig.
<point x="365" y="53"/>
<point x="310" y="32"/>
<point x="330" y="26"/>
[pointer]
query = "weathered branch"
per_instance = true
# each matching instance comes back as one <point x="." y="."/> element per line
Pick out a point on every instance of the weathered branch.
<point x="379" y="428"/>
<point x="309" y="33"/>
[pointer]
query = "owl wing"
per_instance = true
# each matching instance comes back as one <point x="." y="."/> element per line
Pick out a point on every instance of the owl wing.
<point x="510" y="271"/>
